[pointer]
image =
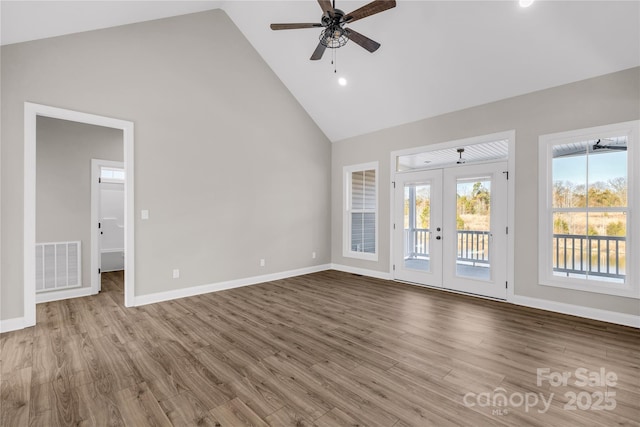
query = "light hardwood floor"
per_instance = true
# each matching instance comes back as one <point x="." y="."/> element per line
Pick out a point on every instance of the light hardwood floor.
<point x="324" y="349"/>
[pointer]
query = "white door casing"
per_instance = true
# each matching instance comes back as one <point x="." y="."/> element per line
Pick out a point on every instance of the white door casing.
<point x="31" y="112"/>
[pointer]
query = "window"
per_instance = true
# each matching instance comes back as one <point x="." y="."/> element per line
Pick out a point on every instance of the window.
<point x="111" y="174"/>
<point x="361" y="211"/>
<point x="588" y="196"/>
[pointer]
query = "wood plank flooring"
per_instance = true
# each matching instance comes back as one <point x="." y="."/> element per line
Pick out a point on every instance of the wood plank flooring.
<point x="326" y="349"/>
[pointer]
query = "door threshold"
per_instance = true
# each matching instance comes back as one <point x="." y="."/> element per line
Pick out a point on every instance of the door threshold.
<point x="453" y="291"/>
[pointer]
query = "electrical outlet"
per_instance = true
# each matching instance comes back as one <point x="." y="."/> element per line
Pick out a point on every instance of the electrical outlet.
<point x="313" y="255"/>
<point x="262" y="263"/>
<point x="176" y="273"/>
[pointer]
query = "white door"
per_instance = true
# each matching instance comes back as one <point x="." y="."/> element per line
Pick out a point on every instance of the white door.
<point x="107" y="219"/>
<point x="418" y="225"/>
<point x="111" y="220"/>
<point x="475" y="206"/>
<point x="450" y="228"/>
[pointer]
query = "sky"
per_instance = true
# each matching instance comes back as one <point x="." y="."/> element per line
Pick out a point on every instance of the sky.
<point x="602" y="167"/>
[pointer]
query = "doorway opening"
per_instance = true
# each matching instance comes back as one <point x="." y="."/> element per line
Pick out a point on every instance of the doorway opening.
<point x="452" y="207"/>
<point x="107" y="215"/>
<point x="31" y="114"/>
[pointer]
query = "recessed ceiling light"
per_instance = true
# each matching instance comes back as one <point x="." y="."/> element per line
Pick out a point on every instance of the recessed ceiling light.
<point x="342" y="81"/>
<point x="526" y="3"/>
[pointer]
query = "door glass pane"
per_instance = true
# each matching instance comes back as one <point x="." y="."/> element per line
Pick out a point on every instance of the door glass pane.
<point x="417" y="218"/>
<point x="473" y="219"/>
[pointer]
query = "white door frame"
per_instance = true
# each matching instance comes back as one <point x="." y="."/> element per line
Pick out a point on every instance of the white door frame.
<point x="510" y="137"/>
<point x="96" y="166"/>
<point x="31" y="112"/>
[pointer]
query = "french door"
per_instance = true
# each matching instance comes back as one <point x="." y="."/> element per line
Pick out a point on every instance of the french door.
<point x="450" y="228"/>
<point x="418" y="227"/>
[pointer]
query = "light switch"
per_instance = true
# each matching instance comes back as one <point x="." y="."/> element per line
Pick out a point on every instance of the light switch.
<point x="144" y="214"/>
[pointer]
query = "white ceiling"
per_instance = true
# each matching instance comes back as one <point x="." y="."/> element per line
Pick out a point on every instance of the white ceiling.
<point x="447" y="157"/>
<point x="436" y="56"/>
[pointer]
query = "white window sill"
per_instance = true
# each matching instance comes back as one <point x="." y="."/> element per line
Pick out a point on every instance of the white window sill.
<point x="360" y="255"/>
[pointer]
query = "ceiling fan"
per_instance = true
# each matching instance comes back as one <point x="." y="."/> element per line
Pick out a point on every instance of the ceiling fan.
<point x="333" y="21"/>
<point x="597" y="146"/>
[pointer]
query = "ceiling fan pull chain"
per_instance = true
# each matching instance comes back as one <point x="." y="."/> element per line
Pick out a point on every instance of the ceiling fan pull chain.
<point x="334" y="61"/>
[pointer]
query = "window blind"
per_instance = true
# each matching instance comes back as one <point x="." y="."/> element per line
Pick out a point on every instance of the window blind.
<point x="363" y="211"/>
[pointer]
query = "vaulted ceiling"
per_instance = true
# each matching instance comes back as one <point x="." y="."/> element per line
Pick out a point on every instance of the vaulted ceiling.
<point x="436" y="56"/>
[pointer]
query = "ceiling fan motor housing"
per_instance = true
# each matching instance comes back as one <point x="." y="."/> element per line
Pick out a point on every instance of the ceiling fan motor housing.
<point x="333" y="36"/>
<point x="332" y="17"/>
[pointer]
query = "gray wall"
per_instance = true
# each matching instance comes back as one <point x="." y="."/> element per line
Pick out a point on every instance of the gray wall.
<point x="603" y="100"/>
<point x="230" y="166"/>
<point x="64" y="151"/>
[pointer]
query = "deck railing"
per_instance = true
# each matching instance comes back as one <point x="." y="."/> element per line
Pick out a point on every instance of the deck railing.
<point x="593" y="255"/>
<point x="603" y="256"/>
<point x="473" y="246"/>
<point x="416" y="242"/>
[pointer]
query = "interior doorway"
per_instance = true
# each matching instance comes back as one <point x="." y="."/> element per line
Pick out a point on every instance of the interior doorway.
<point x="450" y="223"/>
<point x="107" y="212"/>
<point x="31" y="113"/>
<point x="64" y="153"/>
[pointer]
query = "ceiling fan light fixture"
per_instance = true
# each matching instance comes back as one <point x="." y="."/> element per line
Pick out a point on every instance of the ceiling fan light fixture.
<point x="342" y="81"/>
<point x="333" y="37"/>
<point x="333" y="21"/>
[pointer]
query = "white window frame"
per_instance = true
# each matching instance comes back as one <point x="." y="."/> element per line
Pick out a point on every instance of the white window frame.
<point x="631" y="287"/>
<point x="346" y="221"/>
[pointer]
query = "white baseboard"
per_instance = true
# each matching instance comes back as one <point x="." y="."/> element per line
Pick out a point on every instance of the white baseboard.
<point x="63" y="294"/>
<point x="542" y="304"/>
<point x="14" y="324"/>
<point x="221" y="286"/>
<point x="8" y="325"/>
<point x="577" y="310"/>
<point x="362" y="271"/>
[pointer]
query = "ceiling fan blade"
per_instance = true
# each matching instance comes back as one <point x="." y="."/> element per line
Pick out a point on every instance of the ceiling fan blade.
<point x="326" y="6"/>
<point x="317" y="54"/>
<point x="372" y="8"/>
<point x="610" y="147"/>
<point x="363" y="41"/>
<point x="294" y="26"/>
